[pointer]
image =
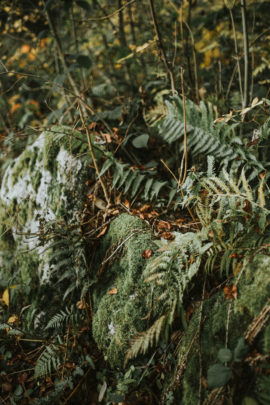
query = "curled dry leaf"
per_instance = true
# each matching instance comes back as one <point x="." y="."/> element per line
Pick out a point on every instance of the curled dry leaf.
<point x="168" y="236"/>
<point x="147" y="253"/>
<point x="163" y="226"/>
<point x="81" y="304"/>
<point x="230" y="291"/>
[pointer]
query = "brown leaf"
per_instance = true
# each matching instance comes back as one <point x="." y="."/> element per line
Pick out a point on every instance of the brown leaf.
<point x="230" y="291"/>
<point x="163" y="226"/>
<point x="145" y="207"/>
<point x="81" y="304"/>
<point x="247" y="206"/>
<point x="127" y="204"/>
<point x="147" y="253"/>
<point x="168" y="235"/>
<point x="113" y="291"/>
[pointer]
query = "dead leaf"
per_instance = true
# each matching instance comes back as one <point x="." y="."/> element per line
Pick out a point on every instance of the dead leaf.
<point x="100" y="204"/>
<point x="113" y="291"/>
<point x="168" y="236"/>
<point x="145" y="208"/>
<point x="147" y="253"/>
<point x="81" y="304"/>
<point x="163" y="226"/>
<point x="5" y="297"/>
<point x="127" y="204"/>
<point x="230" y="291"/>
<point x="13" y="319"/>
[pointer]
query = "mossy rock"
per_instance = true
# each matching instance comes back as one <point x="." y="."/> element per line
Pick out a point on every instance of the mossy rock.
<point x="121" y="302"/>
<point x="45" y="183"/>
<point x="253" y="295"/>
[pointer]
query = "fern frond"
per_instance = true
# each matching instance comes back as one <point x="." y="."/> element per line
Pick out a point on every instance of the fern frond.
<point x="48" y="361"/>
<point x="207" y="137"/>
<point x="143" y="341"/>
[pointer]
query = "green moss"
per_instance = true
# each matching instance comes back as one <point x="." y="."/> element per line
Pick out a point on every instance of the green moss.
<point x="253" y="292"/>
<point x="25" y="162"/>
<point x="118" y="317"/>
<point x="35" y="180"/>
<point x="50" y="150"/>
<point x="72" y="141"/>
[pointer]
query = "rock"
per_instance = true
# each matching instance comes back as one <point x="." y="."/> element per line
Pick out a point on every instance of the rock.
<point x="45" y="184"/>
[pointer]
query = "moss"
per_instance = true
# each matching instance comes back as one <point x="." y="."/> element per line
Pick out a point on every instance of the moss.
<point x="50" y="150"/>
<point x="35" y="180"/>
<point x="253" y="292"/>
<point x="25" y="162"/>
<point x="118" y="317"/>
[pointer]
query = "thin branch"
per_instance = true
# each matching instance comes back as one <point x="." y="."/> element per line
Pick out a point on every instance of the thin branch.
<point x="91" y="149"/>
<point x="237" y="56"/>
<point x="110" y="15"/>
<point x="246" y="54"/>
<point x="161" y="47"/>
<point x="185" y="130"/>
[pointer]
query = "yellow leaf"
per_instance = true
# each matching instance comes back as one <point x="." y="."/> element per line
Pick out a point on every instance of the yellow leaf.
<point x="5" y="297"/>
<point x="13" y="319"/>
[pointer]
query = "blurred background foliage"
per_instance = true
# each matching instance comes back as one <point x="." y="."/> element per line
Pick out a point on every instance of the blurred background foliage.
<point x="111" y="53"/>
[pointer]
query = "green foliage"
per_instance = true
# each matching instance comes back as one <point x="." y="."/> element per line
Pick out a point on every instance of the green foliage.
<point x="207" y="137"/>
<point x="48" y="362"/>
<point x="170" y="275"/>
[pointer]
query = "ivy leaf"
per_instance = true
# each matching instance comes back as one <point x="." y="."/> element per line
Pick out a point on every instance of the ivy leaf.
<point x="224" y="355"/>
<point x="140" y="141"/>
<point x="218" y="375"/>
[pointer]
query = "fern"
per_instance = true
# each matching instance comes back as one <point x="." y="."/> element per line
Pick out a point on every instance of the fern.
<point x="61" y="319"/>
<point x="47" y="362"/>
<point x="170" y="275"/>
<point x="207" y="137"/>
<point x="230" y="212"/>
<point x="132" y="180"/>
<point x="144" y="340"/>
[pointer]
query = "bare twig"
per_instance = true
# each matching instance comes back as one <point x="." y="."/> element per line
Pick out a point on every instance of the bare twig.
<point x="161" y="47"/>
<point x="246" y="54"/>
<point x="237" y="56"/>
<point x="90" y="145"/>
<point x="182" y="181"/>
<point x="110" y="15"/>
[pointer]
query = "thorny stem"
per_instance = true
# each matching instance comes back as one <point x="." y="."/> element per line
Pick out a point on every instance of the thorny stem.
<point x="161" y="47"/>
